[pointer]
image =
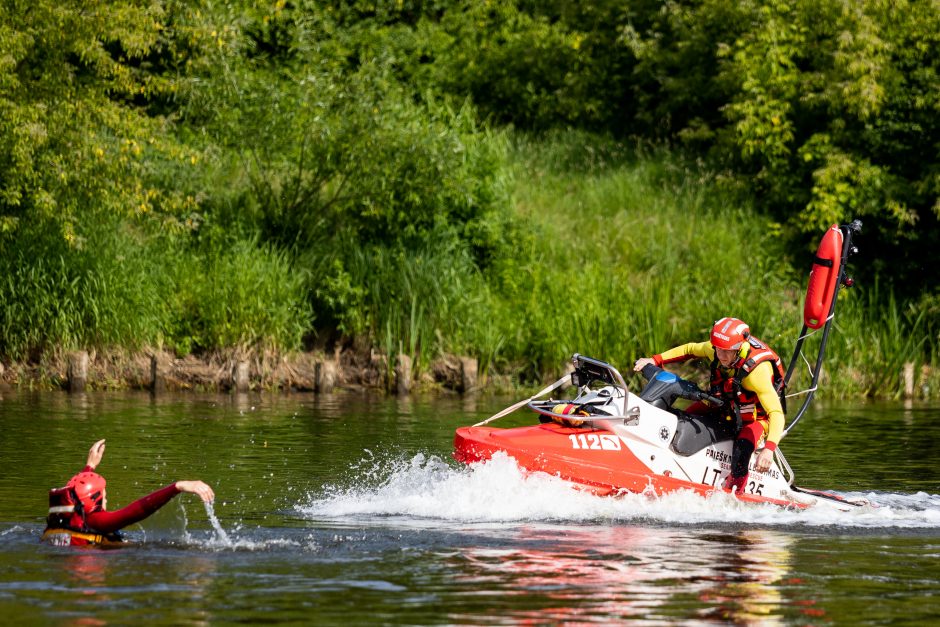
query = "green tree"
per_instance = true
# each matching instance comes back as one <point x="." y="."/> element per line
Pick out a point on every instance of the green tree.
<point x="827" y="110"/>
<point x="75" y="133"/>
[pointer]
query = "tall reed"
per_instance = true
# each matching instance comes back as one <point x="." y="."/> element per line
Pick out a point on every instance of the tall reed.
<point x="126" y="288"/>
<point x="105" y="291"/>
<point x="421" y="301"/>
<point x="636" y="254"/>
<point x="876" y="337"/>
<point x="238" y="294"/>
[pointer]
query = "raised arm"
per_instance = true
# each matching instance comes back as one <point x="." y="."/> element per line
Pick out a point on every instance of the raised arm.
<point x="95" y="453"/>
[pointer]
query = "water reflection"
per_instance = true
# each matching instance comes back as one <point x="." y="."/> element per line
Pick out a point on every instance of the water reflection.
<point x="242" y="403"/>
<point x="634" y="572"/>
<point x="746" y="593"/>
<point x="470" y="403"/>
<point x="88" y="570"/>
<point x="102" y="581"/>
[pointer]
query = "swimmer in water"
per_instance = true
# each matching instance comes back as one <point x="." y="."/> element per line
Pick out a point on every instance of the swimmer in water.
<point x="78" y="512"/>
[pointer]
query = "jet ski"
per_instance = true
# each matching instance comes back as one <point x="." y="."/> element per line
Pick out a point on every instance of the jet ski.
<point x="609" y="440"/>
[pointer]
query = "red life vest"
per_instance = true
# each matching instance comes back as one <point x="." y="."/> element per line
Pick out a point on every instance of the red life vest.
<point x="742" y="401"/>
<point x="65" y="524"/>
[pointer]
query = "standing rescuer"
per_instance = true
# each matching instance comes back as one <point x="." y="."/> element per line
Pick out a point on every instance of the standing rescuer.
<point x="749" y="377"/>
<point x="78" y="513"/>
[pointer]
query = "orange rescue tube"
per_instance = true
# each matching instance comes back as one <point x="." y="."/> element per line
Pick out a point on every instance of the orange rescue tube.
<point x="823" y="278"/>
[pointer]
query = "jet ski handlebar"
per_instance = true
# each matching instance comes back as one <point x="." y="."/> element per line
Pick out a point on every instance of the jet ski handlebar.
<point x="700" y="395"/>
<point x="666" y="387"/>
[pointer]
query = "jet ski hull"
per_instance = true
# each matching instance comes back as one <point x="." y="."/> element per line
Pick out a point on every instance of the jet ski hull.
<point x="594" y="459"/>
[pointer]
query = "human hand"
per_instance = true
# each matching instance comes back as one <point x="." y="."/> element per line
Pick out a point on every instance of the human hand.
<point x="764" y="460"/>
<point x="95" y="453"/>
<point x="643" y="362"/>
<point x="197" y="487"/>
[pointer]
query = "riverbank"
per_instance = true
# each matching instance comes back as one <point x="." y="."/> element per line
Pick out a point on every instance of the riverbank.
<point x="234" y="370"/>
<point x="323" y="372"/>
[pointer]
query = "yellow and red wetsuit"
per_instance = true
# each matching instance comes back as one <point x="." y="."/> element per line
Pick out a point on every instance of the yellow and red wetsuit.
<point x="757" y="398"/>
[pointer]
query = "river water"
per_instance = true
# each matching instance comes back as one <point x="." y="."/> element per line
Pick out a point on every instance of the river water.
<point x="348" y="509"/>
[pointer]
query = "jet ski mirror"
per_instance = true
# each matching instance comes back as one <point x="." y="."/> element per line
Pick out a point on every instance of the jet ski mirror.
<point x="588" y="370"/>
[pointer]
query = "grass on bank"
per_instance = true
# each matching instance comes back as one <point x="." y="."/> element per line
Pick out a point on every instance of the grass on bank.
<point x="637" y="252"/>
<point x="641" y="252"/>
<point x="617" y="252"/>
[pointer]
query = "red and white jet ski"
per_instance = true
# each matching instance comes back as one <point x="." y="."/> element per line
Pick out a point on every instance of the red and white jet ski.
<point x="610" y="441"/>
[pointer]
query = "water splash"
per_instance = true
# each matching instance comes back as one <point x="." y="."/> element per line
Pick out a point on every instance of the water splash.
<point x="427" y="490"/>
<point x="220" y="535"/>
<point x="236" y="540"/>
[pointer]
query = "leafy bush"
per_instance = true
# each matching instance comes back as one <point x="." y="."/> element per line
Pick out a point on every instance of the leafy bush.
<point x="354" y="156"/>
<point x="74" y="142"/>
<point x="827" y="113"/>
<point x="241" y="294"/>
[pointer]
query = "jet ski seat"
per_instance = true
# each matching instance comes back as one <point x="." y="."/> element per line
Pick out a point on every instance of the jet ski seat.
<point x="693" y="433"/>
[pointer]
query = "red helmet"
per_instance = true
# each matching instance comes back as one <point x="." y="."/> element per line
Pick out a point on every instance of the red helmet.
<point x="729" y="333"/>
<point x="89" y="488"/>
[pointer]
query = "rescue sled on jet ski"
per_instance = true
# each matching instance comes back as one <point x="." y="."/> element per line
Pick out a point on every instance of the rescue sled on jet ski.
<point x="610" y="440"/>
